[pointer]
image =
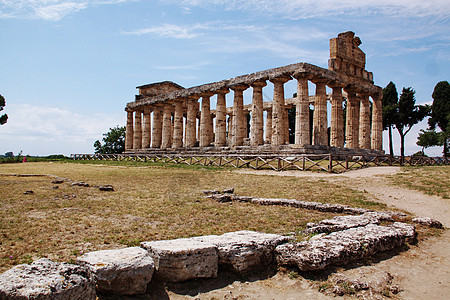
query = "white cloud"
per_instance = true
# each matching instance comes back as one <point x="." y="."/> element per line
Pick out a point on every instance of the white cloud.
<point x="40" y="130"/>
<point x="303" y="9"/>
<point x="170" y="31"/>
<point x="49" y="10"/>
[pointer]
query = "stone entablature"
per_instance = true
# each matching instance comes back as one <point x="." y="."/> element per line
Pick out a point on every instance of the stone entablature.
<point x="167" y="116"/>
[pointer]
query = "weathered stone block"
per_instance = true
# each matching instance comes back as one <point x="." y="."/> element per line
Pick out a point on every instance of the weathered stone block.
<point x="340" y="223"/>
<point x="183" y="259"/>
<point x="122" y="271"/>
<point x="343" y="246"/>
<point x="45" y="279"/>
<point x="428" y="222"/>
<point x="245" y="250"/>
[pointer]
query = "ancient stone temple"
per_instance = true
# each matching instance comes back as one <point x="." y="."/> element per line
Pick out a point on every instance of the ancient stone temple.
<point x="167" y="117"/>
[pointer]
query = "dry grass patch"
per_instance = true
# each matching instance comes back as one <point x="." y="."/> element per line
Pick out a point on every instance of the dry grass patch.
<point x="149" y="203"/>
<point x="432" y="180"/>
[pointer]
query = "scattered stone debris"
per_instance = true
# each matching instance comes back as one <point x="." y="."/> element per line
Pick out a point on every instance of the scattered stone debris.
<point x="55" y="187"/>
<point x="122" y="271"/>
<point x="80" y="183"/>
<point x="228" y="191"/>
<point x="45" y="279"/>
<point x="28" y="192"/>
<point x="57" y="181"/>
<point x="428" y="222"/>
<point x="378" y="287"/>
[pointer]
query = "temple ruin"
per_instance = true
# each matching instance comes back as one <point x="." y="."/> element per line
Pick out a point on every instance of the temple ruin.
<point x="165" y="117"/>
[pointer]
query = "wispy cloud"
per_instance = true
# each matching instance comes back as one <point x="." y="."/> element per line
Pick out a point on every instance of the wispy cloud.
<point x="49" y="10"/>
<point x="170" y="31"/>
<point x="302" y="9"/>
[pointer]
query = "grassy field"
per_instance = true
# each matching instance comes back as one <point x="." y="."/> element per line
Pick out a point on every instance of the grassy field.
<point x="149" y="203"/>
<point x="432" y="180"/>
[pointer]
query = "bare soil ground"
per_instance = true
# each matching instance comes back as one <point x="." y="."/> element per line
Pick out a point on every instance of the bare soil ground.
<point x="421" y="272"/>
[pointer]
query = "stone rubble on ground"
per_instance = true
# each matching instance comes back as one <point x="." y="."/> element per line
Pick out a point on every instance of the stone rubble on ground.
<point x="45" y="279"/>
<point x="122" y="271"/>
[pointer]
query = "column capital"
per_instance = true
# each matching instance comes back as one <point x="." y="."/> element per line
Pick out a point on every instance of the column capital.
<point x="223" y="91"/>
<point x="336" y="84"/>
<point x="239" y="87"/>
<point x="280" y="79"/>
<point x="301" y="74"/>
<point x="258" y="83"/>
<point x="318" y="80"/>
<point x="207" y="94"/>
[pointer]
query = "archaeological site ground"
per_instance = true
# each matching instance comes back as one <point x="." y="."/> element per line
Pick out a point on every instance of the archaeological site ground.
<point x="58" y="211"/>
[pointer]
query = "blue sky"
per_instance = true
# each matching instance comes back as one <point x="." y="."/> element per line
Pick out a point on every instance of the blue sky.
<point x="69" y="67"/>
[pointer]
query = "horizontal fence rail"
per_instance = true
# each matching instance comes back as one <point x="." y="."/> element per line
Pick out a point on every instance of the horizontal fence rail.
<point x="314" y="162"/>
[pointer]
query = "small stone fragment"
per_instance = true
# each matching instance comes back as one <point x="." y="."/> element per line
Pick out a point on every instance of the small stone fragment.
<point x="80" y="183"/>
<point x="107" y="188"/>
<point x="428" y="222"/>
<point x="210" y="192"/>
<point x="57" y="181"/>
<point x="228" y="191"/>
<point x="28" y="192"/>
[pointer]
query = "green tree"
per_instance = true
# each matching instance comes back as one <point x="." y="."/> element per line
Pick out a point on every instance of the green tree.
<point x="390" y="103"/>
<point x="429" y="138"/>
<point x="113" y="141"/>
<point x="440" y="112"/>
<point x="408" y="114"/>
<point x="4" y="117"/>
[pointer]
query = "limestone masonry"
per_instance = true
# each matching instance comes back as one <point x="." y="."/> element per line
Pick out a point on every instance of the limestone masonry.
<point x="167" y="116"/>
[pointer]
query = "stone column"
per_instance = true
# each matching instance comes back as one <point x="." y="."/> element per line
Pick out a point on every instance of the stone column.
<point x="246" y="114"/>
<point x="191" y="122"/>
<point x="166" y="126"/>
<point x="337" y="118"/>
<point x="177" y="141"/>
<point x="352" y="126"/>
<point x="137" y="143"/>
<point x="269" y="126"/>
<point x="129" y="134"/>
<point x="320" y="122"/>
<point x="238" y="115"/>
<point x="157" y="127"/>
<point x="221" y="118"/>
<point x="278" y="122"/>
<point x="230" y="129"/>
<point x="286" y="126"/>
<point x="377" y="122"/>
<point x="364" y="122"/>
<point x="302" y="112"/>
<point x="257" y="122"/>
<point x="146" y="134"/>
<point x="205" y="120"/>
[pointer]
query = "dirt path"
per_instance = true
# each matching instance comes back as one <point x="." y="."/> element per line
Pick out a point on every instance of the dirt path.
<point x="422" y="272"/>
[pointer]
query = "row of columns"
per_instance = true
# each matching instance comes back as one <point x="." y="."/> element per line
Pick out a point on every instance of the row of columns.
<point x="168" y="132"/>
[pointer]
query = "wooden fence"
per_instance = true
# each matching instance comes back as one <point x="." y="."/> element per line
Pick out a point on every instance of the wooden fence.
<point x="318" y="162"/>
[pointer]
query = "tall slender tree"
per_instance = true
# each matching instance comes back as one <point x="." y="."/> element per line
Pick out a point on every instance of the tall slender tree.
<point x="390" y="103"/>
<point x="4" y="117"/>
<point x="408" y="114"/>
<point x="440" y="112"/>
